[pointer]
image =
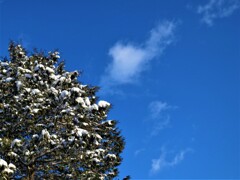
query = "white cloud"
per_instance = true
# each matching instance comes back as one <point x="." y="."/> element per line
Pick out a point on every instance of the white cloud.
<point x="137" y="152"/>
<point x="159" y="116"/>
<point x="216" y="9"/>
<point x="157" y="107"/>
<point x="129" y="60"/>
<point x="164" y="161"/>
<point x="160" y="126"/>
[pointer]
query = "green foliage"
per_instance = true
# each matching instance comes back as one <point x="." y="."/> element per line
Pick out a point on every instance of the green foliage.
<point x="53" y="126"/>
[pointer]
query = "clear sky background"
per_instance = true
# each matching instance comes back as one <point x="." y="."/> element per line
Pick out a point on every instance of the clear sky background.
<point x="171" y="69"/>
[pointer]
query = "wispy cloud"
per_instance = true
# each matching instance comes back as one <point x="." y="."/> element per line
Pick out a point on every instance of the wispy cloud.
<point x="159" y="116"/>
<point x="129" y="60"/>
<point x="168" y="159"/>
<point x="216" y="9"/>
<point x="158" y="126"/>
<point x="137" y="152"/>
<point x="157" y="107"/>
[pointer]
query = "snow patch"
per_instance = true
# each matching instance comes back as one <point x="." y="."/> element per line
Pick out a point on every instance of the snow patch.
<point x="16" y="142"/>
<point x="87" y="101"/>
<point x="29" y="76"/>
<point x="111" y="156"/>
<point x="94" y="107"/>
<point x="12" y="166"/>
<point x="77" y="90"/>
<point x="3" y="163"/>
<point x="98" y="136"/>
<point x="35" y="91"/>
<point x="80" y="100"/>
<point x="64" y="94"/>
<point x="109" y="122"/>
<point x="12" y="154"/>
<point x="35" y="136"/>
<point x="39" y="66"/>
<point x="9" y="79"/>
<point x="7" y="171"/>
<point x="45" y="134"/>
<point x="50" y="70"/>
<point x="54" y="91"/>
<point x="103" y="104"/>
<point x="19" y="85"/>
<point x="80" y="132"/>
<point x="35" y="111"/>
<point x="4" y="64"/>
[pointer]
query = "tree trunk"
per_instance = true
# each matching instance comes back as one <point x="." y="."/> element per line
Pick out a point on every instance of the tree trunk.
<point x="31" y="173"/>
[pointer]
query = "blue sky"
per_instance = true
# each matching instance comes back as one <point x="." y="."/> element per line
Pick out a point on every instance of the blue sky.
<point x="170" y="68"/>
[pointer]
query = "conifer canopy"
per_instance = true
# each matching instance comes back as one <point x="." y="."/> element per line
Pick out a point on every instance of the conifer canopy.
<point x="51" y="125"/>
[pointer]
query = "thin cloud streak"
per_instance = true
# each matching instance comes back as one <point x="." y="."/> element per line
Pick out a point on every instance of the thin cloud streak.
<point x="129" y="60"/>
<point x="157" y="107"/>
<point x="159" y="126"/>
<point x="137" y="152"/>
<point x="159" y="116"/>
<point x="216" y="9"/>
<point x="163" y="161"/>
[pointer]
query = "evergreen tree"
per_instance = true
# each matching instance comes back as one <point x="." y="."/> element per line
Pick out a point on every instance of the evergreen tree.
<point x="51" y="125"/>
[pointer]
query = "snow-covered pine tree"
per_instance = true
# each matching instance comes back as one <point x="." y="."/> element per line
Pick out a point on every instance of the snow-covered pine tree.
<point x="51" y="125"/>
